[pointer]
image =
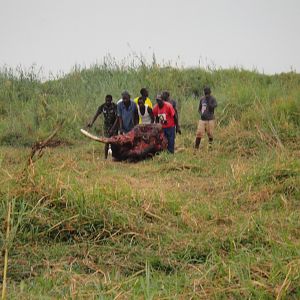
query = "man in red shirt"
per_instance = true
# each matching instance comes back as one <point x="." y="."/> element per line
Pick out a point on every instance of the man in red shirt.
<point x="164" y="114"/>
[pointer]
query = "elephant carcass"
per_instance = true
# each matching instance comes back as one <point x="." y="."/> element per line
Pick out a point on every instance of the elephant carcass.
<point x="141" y="142"/>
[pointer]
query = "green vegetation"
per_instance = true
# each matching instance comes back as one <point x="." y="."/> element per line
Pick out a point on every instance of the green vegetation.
<point x="215" y="224"/>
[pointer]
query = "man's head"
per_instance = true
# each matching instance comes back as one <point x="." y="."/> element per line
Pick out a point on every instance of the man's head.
<point x="144" y="93"/>
<point x="126" y="97"/>
<point x="165" y="96"/>
<point x="141" y="102"/>
<point x="108" y="99"/>
<point x="160" y="101"/>
<point x="207" y="91"/>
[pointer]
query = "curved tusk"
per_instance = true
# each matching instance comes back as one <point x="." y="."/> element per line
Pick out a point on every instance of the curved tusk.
<point x="94" y="137"/>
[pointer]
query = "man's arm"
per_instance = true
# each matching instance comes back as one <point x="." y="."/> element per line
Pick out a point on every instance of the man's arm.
<point x="213" y="102"/>
<point x="150" y="112"/>
<point x="98" y="112"/>
<point x="135" y="117"/>
<point x="155" y="114"/>
<point x="200" y="107"/>
<point x="176" y="119"/>
<point x="119" y="117"/>
<point x="149" y="103"/>
<point x="114" y="127"/>
<point x="116" y="123"/>
<point x="120" y="124"/>
<point x="178" y="130"/>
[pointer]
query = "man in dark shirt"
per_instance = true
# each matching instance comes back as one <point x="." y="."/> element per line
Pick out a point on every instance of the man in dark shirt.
<point x="109" y="110"/>
<point x="206" y="123"/>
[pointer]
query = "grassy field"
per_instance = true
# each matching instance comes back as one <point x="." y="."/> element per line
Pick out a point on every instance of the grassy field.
<point x="220" y="223"/>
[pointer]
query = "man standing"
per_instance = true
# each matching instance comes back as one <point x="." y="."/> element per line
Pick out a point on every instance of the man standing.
<point x="145" y="96"/>
<point x="127" y="113"/>
<point x="165" y="114"/>
<point x="109" y="110"/>
<point x="166" y="97"/>
<point x="206" y="123"/>
<point x="145" y="112"/>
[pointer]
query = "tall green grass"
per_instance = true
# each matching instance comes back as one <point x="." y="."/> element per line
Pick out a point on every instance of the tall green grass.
<point x="221" y="223"/>
<point x="30" y="109"/>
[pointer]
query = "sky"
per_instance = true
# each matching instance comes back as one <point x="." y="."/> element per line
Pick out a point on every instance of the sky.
<point x="262" y="35"/>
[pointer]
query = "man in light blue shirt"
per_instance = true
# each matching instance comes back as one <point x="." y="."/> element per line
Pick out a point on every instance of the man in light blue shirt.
<point x="127" y="113"/>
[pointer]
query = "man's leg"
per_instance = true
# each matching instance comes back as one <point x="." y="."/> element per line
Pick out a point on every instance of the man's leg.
<point x="106" y="134"/>
<point x="168" y="135"/>
<point x="210" y="130"/>
<point x="171" y="144"/>
<point x="106" y="150"/>
<point x="197" y="142"/>
<point x="199" y="134"/>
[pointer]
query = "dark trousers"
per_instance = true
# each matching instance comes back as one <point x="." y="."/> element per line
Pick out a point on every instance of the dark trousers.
<point x="170" y="135"/>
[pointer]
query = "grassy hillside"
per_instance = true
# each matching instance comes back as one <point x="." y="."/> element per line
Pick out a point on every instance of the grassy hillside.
<point x="212" y="224"/>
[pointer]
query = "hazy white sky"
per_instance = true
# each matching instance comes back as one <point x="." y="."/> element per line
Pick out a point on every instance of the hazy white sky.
<point x="57" y="34"/>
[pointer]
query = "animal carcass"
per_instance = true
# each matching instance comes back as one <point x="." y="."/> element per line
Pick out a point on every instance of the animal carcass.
<point x="141" y="142"/>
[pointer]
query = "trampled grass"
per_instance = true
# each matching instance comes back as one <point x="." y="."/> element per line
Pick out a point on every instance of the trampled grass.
<point x="213" y="224"/>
